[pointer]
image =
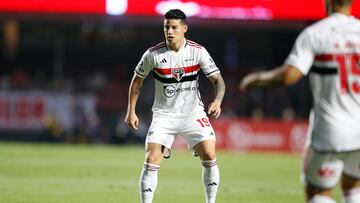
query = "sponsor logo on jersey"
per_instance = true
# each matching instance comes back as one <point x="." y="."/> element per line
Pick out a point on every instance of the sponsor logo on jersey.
<point x="163" y="61"/>
<point x="170" y="90"/>
<point x="178" y="73"/>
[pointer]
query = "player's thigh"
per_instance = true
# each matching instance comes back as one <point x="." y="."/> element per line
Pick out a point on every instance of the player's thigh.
<point x="322" y="170"/>
<point x="162" y="131"/>
<point x="351" y="173"/>
<point x="197" y="129"/>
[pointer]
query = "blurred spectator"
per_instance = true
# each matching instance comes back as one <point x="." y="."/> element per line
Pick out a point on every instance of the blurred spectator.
<point x="53" y="130"/>
<point x="19" y="79"/>
<point x="4" y="82"/>
<point x="80" y="124"/>
<point x="288" y="114"/>
<point x="257" y="114"/>
<point x="11" y="37"/>
<point x="127" y="135"/>
<point x="97" y="81"/>
<point x="93" y="129"/>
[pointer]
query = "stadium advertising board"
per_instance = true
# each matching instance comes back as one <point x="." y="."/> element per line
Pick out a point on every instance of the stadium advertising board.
<point x="27" y="110"/>
<point x="226" y="9"/>
<point x="266" y="135"/>
<point x="229" y="9"/>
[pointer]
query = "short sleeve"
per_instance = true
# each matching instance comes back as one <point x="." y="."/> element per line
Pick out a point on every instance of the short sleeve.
<point x="144" y="66"/>
<point x="207" y="64"/>
<point x="302" y="54"/>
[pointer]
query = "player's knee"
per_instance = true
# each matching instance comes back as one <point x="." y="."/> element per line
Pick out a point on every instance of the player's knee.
<point x="154" y="157"/>
<point x="208" y="156"/>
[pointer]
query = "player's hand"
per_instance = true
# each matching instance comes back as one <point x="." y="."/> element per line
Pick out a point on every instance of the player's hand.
<point x="248" y="81"/>
<point x="132" y="120"/>
<point x="214" y="109"/>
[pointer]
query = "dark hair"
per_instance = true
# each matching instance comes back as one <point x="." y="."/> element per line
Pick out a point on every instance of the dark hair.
<point x="342" y="2"/>
<point x="176" y="14"/>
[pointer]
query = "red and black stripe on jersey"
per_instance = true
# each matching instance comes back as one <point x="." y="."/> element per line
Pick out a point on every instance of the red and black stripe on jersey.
<point x="324" y="70"/>
<point x="162" y="74"/>
<point x="163" y="44"/>
<point x="193" y="44"/>
<point x="173" y="80"/>
<point x="158" y="46"/>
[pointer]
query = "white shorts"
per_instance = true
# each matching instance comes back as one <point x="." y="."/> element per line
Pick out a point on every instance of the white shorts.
<point x="193" y="129"/>
<point x="324" y="170"/>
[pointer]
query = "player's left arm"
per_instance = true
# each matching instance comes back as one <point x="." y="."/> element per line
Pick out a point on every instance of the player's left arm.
<point x="214" y="108"/>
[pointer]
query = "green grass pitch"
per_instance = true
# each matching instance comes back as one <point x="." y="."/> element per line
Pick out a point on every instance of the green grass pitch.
<point x="45" y="173"/>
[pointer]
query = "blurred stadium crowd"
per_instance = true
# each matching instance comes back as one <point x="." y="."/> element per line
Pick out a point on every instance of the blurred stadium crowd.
<point x="97" y="58"/>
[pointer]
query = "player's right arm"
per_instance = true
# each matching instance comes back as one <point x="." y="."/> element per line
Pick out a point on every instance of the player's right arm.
<point x="141" y="71"/>
<point x="281" y="76"/>
<point x="295" y="67"/>
<point x="134" y="91"/>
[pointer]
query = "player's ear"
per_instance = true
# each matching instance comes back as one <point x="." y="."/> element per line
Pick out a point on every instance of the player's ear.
<point x="185" y="28"/>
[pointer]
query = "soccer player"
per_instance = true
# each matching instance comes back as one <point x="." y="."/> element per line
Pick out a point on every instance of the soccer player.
<point x="329" y="52"/>
<point x="177" y="109"/>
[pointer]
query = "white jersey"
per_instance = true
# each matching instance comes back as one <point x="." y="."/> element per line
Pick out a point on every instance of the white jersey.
<point x="329" y="51"/>
<point x="176" y="77"/>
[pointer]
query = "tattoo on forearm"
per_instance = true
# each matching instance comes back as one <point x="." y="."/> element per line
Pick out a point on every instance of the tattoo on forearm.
<point x="219" y="88"/>
<point x="137" y="89"/>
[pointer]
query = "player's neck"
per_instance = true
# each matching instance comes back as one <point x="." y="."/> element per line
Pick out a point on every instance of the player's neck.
<point x="342" y="9"/>
<point x="176" y="46"/>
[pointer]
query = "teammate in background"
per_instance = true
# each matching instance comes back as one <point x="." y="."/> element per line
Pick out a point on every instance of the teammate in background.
<point x="177" y="109"/>
<point x="329" y="51"/>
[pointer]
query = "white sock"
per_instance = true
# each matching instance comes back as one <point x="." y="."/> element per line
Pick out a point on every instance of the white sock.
<point x="211" y="177"/>
<point x="321" y="199"/>
<point x="148" y="182"/>
<point x="352" y="196"/>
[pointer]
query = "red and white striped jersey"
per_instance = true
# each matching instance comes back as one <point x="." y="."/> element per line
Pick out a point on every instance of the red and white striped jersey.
<point x="329" y="51"/>
<point x="176" y="77"/>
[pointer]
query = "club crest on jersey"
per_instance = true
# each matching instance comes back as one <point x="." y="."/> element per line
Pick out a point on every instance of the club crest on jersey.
<point x="177" y="73"/>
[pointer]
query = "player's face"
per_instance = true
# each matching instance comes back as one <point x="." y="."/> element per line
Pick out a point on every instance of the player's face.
<point x="174" y="30"/>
